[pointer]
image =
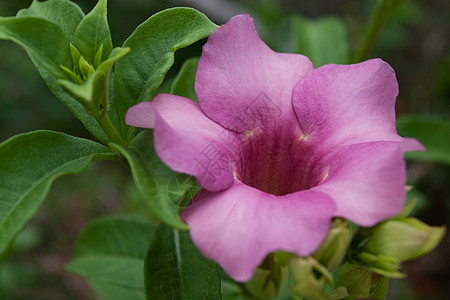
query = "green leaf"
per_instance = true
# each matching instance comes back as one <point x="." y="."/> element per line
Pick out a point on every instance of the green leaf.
<point x="356" y="280"/>
<point x="379" y="288"/>
<point x="29" y="163"/>
<point x="93" y="32"/>
<point x="110" y="253"/>
<point x="77" y="109"/>
<point x="111" y="291"/>
<point x="48" y="48"/>
<point x="43" y="40"/>
<point x="432" y="132"/>
<point x="144" y="177"/>
<point x="153" y="45"/>
<point x="183" y="84"/>
<point x="324" y="40"/>
<point x="338" y="293"/>
<point x="175" y="269"/>
<point x="63" y="13"/>
<point x="117" y="270"/>
<point x="115" y="235"/>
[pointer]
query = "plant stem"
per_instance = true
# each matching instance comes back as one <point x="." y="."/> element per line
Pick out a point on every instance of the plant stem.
<point x="376" y="23"/>
<point x="109" y="129"/>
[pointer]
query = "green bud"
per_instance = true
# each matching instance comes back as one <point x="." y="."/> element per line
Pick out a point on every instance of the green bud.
<point x="404" y="239"/>
<point x="384" y="265"/>
<point x="85" y="68"/>
<point x="76" y="55"/>
<point x="98" y="57"/>
<point x="333" y="250"/>
<point x="269" y="277"/>
<point x="263" y="284"/>
<point x="90" y="88"/>
<point x="382" y="248"/>
<point x="309" y="278"/>
<point x="72" y="75"/>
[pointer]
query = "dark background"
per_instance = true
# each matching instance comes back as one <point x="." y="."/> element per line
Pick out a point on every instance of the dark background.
<point x="415" y="41"/>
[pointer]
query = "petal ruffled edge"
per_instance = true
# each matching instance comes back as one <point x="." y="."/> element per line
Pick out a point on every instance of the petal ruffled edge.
<point x="367" y="181"/>
<point x="238" y="227"/>
<point x="348" y="104"/>
<point x="241" y="83"/>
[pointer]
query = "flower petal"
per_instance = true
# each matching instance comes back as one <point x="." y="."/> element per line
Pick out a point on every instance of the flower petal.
<point x="238" y="227"/>
<point x="348" y="104"/>
<point x="185" y="139"/>
<point x="241" y="83"/>
<point x="367" y="182"/>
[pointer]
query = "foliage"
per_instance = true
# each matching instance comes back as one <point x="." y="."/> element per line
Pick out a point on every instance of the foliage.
<point x="125" y="257"/>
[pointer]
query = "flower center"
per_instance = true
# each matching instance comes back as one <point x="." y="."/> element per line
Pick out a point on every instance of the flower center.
<point x="280" y="163"/>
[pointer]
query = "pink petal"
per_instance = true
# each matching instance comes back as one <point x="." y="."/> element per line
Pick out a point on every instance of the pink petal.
<point x="241" y="83"/>
<point x="185" y="139"/>
<point x="367" y="182"/>
<point x="410" y="144"/>
<point x="238" y="227"/>
<point x="348" y="104"/>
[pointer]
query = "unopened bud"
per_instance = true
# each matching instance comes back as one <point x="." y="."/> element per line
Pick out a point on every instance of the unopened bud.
<point x="333" y="250"/>
<point x="270" y="276"/>
<point x="404" y="239"/>
<point x="309" y="278"/>
<point x="393" y="241"/>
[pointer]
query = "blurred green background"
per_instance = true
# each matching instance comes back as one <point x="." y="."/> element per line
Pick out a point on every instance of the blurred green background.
<point x="414" y="40"/>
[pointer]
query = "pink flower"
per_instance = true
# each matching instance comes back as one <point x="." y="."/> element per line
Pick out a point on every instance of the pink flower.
<point x="278" y="147"/>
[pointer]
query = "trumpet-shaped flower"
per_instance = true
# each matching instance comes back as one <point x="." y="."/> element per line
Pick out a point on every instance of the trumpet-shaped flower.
<point x="278" y="147"/>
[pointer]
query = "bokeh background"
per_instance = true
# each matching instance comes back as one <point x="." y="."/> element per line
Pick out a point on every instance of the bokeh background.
<point x="414" y="40"/>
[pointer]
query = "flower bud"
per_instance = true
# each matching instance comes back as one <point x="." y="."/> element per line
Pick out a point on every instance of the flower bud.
<point x="309" y="278"/>
<point x="89" y="85"/>
<point x="394" y="241"/>
<point x="269" y="278"/>
<point x="263" y="285"/>
<point x="404" y="239"/>
<point x="333" y="250"/>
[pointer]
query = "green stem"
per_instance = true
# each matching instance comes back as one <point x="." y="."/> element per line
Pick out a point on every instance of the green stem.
<point x="376" y="23"/>
<point x="109" y="129"/>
